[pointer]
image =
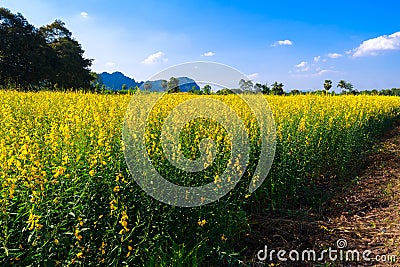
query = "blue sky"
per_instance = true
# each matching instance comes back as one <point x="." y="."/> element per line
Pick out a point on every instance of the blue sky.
<point x="299" y="43"/>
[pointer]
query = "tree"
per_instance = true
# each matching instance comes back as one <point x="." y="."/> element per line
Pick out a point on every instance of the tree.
<point x="242" y="84"/>
<point x="246" y="86"/>
<point x="225" y="91"/>
<point x="173" y="85"/>
<point x="124" y="87"/>
<point x="349" y="87"/>
<point x="345" y="86"/>
<point x="194" y="90"/>
<point x="207" y="89"/>
<point x="265" y="89"/>
<point x="374" y="92"/>
<point x="294" y="92"/>
<point x="70" y="68"/>
<point x="164" y="84"/>
<point x="47" y="57"/>
<point x="327" y="85"/>
<point x="22" y="53"/>
<point x="147" y="86"/>
<point x="277" y="88"/>
<point x="342" y="84"/>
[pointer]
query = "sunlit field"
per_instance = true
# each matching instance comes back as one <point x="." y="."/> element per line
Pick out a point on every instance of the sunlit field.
<point x="67" y="196"/>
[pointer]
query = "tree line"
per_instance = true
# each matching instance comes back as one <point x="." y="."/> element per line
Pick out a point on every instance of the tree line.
<point x="346" y="88"/>
<point x="48" y="57"/>
<point x="276" y="88"/>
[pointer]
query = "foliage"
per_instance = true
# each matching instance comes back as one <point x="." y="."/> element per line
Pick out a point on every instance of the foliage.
<point x="327" y="85"/>
<point x="263" y="88"/>
<point x="164" y="84"/>
<point x="147" y="86"/>
<point x="277" y="89"/>
<point x="33" y="58"/>
<point x="207" y="89"/>
<point x="345" y="86"/>
<point x="225" y="91"/>
<point x="173" y="85"/>
<point x="66" y="195"/>
<point x="295" y="92"/>
<point x="245" y="85"/>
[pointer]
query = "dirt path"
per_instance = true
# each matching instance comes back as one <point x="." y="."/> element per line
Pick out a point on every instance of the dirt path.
<point x="366" y="215"/>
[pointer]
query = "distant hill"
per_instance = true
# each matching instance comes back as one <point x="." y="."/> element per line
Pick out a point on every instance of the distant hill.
<point x="114" y="81"/>
<point x="185" y="84"/>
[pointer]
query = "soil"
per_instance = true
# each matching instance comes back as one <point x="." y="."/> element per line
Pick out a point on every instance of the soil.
<point x="363" y="216"/>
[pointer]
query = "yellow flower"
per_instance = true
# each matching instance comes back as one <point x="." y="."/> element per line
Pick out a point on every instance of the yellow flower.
<point x="202" y="222"/>
<point x="33" y="221"/>
<point x="112" y="206"/>
<point x="77" y="235"/>
<point x="223" y="238"/>
<point x="92" y="172"/>
<point x="124" y="222"/>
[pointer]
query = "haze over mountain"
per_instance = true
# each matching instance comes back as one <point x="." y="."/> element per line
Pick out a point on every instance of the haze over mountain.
<point x="116" y="80"/>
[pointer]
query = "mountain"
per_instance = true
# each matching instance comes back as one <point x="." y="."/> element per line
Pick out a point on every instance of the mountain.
<point x="115" y="81"/>
<point x="185" y="84"/>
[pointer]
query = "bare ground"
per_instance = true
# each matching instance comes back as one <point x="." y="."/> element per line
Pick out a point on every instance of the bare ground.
<point x="366" y="214"/>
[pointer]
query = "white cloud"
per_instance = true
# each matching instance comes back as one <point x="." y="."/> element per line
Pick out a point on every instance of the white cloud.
<point x="316" y="74"/>
<point x="84" y="15"/>
<point x="317" y="59"/>
<point x="301" y="64"/>
<point x="208" y="54"/>
<point x="155" y="58"/>
<point x="252" y="76"/>
<point x="373" y="46"/>
<point x="110" y="64"/>
<point x="321" y="72"/>
<point x="334" y="55"/>
<point x="283" y="42"/>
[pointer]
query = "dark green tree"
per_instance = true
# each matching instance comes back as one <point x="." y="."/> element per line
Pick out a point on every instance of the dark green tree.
<point x="164" y="84"/>
<point x="48" y="57"/>
<point x="342" y="85"/>
<point x="327" y="85"/>
<point x="294" y="92"/>
<point x="277" y="88"/>
<point x="207" y="89"/>
<point x="173" y="85"/>
<point x="22" y="52"/>
<point x="70" y="68"/>
<point x="349" y="87"/>
<point x="147" y="86"/>
<point x="265" y="89"/>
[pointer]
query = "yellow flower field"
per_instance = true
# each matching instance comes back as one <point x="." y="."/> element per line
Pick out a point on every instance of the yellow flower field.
<point x="67" y="196"/>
